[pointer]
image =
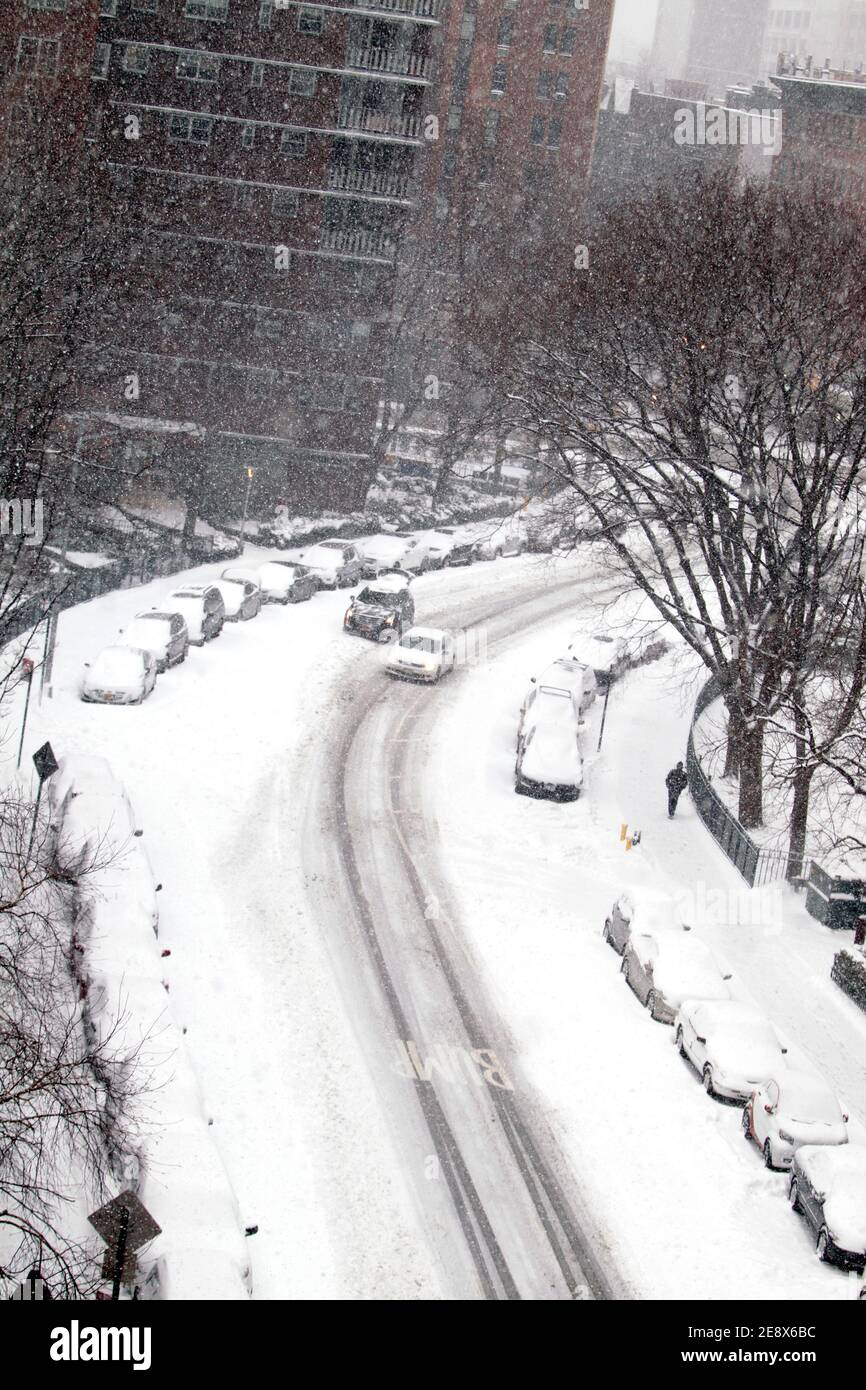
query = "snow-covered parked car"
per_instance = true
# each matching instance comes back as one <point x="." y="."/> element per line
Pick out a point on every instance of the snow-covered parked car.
<point x="828" y="1189"/>
<point x="382" y="609"/>
<point x="335" y="564"/>
<point x="561" y="677"/>
<point x="792" y="1109"/>
<point x="731" y="1046"/>
<point x="665" y="968"/>
<point x="400" y="551"/>
<point x="605" y="652"/>
<point x="242" y="599"/>
<point x="202" y="609"/>
<point x="90" y="813"/>
<point x="439" y="545"/>
<point x="422" y="653"/>
<point x="640" y="909"/>
<point x="498" y="539"/>
<point x="119" y="675"/>
<point x="163" y="634"/>
<point x="282" y="582"/>
<point x="549" y="761"/>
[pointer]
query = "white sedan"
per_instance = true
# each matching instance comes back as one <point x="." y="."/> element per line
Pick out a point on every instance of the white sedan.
<point x="422" y="653"/>
<point x="791" y="1109"/>
<point x="119" y="676"/>
<point x="605" y="652"/>
<point x="665" y="968"/>
<point x="732" y="1047"/>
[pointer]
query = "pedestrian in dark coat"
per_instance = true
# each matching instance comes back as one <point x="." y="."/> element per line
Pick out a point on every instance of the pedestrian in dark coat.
<point x="676" y="783"/>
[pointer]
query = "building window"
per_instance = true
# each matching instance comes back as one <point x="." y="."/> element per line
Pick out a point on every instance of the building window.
<point x="198" y="67"/>
<point x="536" y="131"/>
<point x="302" y="82"/>
<point x="491" y="127"/>
<point x="551" y="38"/>
<point x="136" y="59"/>
<point x="266" y="11"/>
<point x="545" y="79"/>
<point x="101" y="60"/>
<point x="243" y="196"/>
<point x="194" y="130"/>
<point x="46" y="4"/>
<point x="485" y="168"/>
<point x="294" y="143"/>
<point x="554" y="133"/>
<point x="248" y="136"/>
<point x="206" y="9"/>
<point x="257" y="74"/>
<point x="449" y="166"/>
<point x="284" y="202"/>
<point x="37" y="55"/>
<point x="569" y="41"/>
<point x="311" y="21"/>
<point x="108" y="9"/>
<point x="455" y="116"/>
<point x="499" y="79"/>
<point x="562" y="84"/>
<point x="146" y="6"/>
<point x="504" y="32"/>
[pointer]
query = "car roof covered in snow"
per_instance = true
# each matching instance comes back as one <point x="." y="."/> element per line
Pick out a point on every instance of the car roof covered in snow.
<point x="838" y="1171"/>
<point x="565" y="671"/>
<point x="435" y="634"/>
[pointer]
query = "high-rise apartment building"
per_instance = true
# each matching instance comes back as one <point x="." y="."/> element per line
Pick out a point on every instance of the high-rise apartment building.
<point x="273" y="156"/>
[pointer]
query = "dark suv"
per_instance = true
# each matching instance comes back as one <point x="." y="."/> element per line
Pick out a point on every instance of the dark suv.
<point x="380" y="609"/>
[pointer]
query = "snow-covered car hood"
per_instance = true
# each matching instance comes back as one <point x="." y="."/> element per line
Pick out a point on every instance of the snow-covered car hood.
<point x="744" y="1056"/>
<point x="372" y="612"/>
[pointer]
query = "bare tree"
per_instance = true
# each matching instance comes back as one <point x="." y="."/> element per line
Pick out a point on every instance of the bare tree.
<point x="703" y="389"/>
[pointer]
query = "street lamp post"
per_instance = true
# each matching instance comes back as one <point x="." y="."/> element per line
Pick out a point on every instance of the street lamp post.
<point x="250" y="472"/>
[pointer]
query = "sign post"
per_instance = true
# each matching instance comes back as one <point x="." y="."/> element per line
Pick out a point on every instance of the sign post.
<point x="27" y="667"/>
<point x="125" y="1225"/>
<point x="46" y="765"/>
<point x="603" y="715"/>
<point x="250" y="472"/>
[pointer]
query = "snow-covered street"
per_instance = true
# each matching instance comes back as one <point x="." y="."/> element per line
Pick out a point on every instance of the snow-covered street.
<point x="347" y="871"/>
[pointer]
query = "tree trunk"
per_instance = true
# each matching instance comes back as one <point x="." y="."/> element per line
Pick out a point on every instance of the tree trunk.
<point x="803" y="775"/>
<point x="732" y="750"/>
<point x="751" y="741"/>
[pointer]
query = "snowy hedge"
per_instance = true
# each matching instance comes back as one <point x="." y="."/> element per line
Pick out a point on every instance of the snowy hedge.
<point x="849" y="973"/>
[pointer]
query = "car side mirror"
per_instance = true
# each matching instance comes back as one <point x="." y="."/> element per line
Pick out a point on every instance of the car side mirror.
<point x="784" y="1051"/>
<point x="87" y="665"/>
<point x="770" y="1109"/>
<point x="138" y="834"/>
<point x="727" y="977"/>
<point x="532" y="680"/>
<point x="844" y="1119"/>
<point x="158" y="888"/>
<point x="702" y="1040"/>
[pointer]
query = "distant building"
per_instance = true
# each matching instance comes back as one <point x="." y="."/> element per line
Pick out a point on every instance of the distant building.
<point x="714" y="43"/>
<point x="824" y="133"/>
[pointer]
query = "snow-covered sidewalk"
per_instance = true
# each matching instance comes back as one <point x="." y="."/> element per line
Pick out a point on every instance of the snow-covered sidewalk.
<point x="689" y="1208"/>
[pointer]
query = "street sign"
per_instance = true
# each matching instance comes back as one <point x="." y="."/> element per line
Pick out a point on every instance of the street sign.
<point x="108" y="1220"/>
<point x="45" y="761"/>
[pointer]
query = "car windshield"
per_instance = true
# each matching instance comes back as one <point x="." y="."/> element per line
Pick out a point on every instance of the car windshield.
<point x="810" y="1104"/>
<point x="330" y="545"/>
<point x="380" y="596"/>
<point x="142" y="630"/>
<point x="416" y="642"/>
<point x="117" y="664"/>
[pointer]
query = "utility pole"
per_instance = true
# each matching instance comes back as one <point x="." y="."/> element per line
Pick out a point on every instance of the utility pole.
<point x="53" y="616"/>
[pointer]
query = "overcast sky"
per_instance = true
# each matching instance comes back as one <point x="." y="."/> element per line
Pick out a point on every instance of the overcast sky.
<point x="633" y="24"/>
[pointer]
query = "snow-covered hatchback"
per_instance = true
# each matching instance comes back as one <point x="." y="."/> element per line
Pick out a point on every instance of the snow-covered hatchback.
<point x="790" y="1111"/>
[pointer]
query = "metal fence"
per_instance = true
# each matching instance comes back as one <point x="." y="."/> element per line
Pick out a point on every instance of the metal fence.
<point x="80" y="585"/>
<point x="758" y="866"/>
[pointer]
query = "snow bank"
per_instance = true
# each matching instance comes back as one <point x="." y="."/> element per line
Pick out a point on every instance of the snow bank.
<point x="122" y="978"/>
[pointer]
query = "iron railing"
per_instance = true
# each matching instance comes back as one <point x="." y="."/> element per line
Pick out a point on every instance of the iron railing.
<point x="756" y="864"/>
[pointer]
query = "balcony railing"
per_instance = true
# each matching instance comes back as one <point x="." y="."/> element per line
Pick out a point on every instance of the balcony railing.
<point x="379" y="122"/>
<point x="389" y="60"/>
<point x="422" y="9"/>
<point x="356" y="242"/>
<point x="367" y="181"/>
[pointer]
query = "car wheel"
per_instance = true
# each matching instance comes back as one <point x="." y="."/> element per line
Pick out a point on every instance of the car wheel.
<point x="794" y="1196"/>
<point x="747" y="1128"/>
<point x="768" y="1156"/>
<point x="681" y="1047"/>
<point x="605" y="934"/>
<point x="708" y="1081"/>
<point x="651" y="1003"/>
<point x="624" y="969"/>
<point x="822" y="1245"/>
